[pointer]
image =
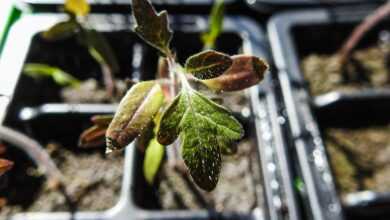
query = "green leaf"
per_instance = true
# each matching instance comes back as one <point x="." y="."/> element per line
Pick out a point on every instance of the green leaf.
<point x="208" y="64"/>
<point x="152" y="27"/>
<point x="62" y="78"/>
<point x="100" y="49"/>
<point x="5" y="165"/>
<point x="61" y="30"/>
<point x="205" y="129"/>
<point x="77" y="7"/>
<point x="135" y="111"/>
<point x="154" y="155"/>
<point x="215" y="24"/>
<point x="246" y="71"/>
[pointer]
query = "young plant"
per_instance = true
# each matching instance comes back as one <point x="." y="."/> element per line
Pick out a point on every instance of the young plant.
<point x="215" y="25"/>
<point x="62" y="78"/>
<point x="206" y="129"/>
<point x="97" y="45"/>
<point x="358" y="33"/>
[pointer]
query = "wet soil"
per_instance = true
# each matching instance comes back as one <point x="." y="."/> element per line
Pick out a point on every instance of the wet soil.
<point x="92" y="180"/>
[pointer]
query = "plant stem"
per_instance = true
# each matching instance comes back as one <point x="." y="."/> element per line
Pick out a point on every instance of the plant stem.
<point x="108" y="79"/>
<point x="369" y="22"/>
<point x="35" y="151"/>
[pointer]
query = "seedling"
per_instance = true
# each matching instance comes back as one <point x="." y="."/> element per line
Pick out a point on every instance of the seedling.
<point x="77" y="25"/>
<point x="215" y="25"/>
<point x="359" y="32"/>
<point x="206" y="129"/>
<point x="59" y="76"/>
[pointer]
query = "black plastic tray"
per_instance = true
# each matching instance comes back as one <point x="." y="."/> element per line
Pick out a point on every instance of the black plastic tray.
<point x="304" y="110"/>
<point x="123" y="6"/>
<point x="270" y="6"/>
<point x="278" y="199"/>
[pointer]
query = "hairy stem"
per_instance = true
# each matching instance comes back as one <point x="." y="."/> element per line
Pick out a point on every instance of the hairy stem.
<point x="35" y="151"/>
<point x="172" y="152"/>
<point x="369" y="22"/>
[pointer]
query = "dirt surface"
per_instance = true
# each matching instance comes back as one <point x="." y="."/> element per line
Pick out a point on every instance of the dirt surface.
<point x="92" y="180"/>
<point x="360" y="158"/>
<point x="325" y="74"/>
<point x="91" y="92"/>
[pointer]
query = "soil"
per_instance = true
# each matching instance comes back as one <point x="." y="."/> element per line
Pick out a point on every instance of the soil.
<point x="87" y="183"/>
<point x="369" y="69"/>
<point x="90" y="91"/>
<point x="360" y="158"/>
<point x="240" y="184"/>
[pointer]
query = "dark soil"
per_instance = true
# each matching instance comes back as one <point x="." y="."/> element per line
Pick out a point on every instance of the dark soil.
<point x="92" y="180"/>
<point x="325" y="74"/>
<point x="360" y="158"/>
<point x="91" y="92"/>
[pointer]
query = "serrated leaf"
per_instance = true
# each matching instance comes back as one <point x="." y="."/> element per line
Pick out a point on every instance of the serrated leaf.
<point x="5" y="165"/>
<point x="62" y="78"/>
<point x="135" y="111"/>
<point x="168" y="129"/>
<point x="61" y="30"/>
<point x="77" y="7"/>
<point x="205" y="128"/>
<point x="208" y="64"/>
<point x="245" y="72"/>
<point x="215" y="24"/>
<point x="154" y="155"/>
<point x="152" y="27"/>
<point x="100" y="49"/>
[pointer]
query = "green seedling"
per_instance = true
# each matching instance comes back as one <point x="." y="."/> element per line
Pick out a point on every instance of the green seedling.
<point x="215" y="25"/>
<point x="77" y="25"/>
<point x="59" y="76"/>
<point x="380" y="14"/>
<point x="205" y="129"/>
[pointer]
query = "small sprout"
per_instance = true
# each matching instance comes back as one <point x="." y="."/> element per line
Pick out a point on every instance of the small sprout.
<point x="100" y="49"/>
<point x="96" y="43"/>
<point x="154" y="155"/>
<point x="152" y="27"/>
<point x="5" y="165"/>
<point x="246" y="71"/>
<point x="136" y="110"/>
<point x="215" y="24"/>
<point x="208" y="64"/>
<point x="59" y="76"/>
